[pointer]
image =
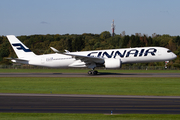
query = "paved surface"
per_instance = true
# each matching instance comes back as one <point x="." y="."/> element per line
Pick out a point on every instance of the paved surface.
<point x="86" y="75"/>
<point x="55" y="103"/>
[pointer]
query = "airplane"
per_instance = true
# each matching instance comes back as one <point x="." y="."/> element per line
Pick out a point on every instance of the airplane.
<point x="111" y="58"/>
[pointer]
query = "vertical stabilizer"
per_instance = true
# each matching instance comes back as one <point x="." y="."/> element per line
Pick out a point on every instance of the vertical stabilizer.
<point x="20" y="49"/>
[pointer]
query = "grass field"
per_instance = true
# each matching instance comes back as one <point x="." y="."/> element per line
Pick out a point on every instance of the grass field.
<point x="56" y="116"/>
<point x="83" y="71"/>
<point x="101" y="86"/>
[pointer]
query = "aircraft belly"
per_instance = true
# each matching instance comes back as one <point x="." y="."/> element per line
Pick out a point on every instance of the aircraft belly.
<point x="59" y="63"/>
<point x="139" y="59"/>
<point x="52" y="63"/>
<point x="77" y="63"/>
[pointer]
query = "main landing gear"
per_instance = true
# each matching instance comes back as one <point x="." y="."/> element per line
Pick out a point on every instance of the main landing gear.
<point x="93" y="72"/>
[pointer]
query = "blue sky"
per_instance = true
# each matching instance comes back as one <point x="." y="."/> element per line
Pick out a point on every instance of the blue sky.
<point x="29" y="17"/>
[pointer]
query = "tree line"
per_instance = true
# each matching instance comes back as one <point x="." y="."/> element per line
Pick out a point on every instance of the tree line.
<point x="40" y="44"/>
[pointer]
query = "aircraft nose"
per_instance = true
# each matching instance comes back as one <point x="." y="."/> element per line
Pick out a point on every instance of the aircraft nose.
<point x="174" y="56"/>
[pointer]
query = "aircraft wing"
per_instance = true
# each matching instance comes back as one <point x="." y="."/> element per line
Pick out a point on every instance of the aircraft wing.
<point x="87" y="59"/>
<point x="57" y="51"/>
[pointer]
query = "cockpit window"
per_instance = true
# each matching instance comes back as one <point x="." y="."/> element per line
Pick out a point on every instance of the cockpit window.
<point x="168" y="51"/>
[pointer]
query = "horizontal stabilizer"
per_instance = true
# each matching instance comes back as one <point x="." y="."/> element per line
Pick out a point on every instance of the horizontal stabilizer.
<point x="17" y="59"/>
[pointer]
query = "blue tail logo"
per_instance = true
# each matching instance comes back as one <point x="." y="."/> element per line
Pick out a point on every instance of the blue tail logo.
<point x="21" y="47"/>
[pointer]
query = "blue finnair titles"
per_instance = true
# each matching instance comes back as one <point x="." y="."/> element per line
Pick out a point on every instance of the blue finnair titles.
<point x="124" y="53"/>
<point x="113" y="58"/>
<point x="19" y="46"/>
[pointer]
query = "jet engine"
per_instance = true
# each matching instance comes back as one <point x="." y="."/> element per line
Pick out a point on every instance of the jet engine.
<point x="112" y="63"/>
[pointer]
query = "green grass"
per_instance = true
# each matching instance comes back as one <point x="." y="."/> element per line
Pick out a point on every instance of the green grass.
<point x="101" y="86"/>
<point x="75" y="70"/>
<point x="60" y="116"/>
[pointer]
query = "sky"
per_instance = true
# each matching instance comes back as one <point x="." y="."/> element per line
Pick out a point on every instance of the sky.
<point x="29" y="17"/>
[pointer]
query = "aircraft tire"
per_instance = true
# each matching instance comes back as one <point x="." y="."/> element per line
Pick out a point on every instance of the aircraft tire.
<point x="90" y="72"/>
<point x="95" y="72"/>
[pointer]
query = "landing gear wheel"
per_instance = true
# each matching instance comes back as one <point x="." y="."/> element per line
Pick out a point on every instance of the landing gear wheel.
<point x="95" y="72"/>
<point x="92" y="72"/>
<point x="89" y="72"/>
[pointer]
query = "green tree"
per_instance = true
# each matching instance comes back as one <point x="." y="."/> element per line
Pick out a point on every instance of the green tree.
<point x="149" y="41"/>
<point x="4" y="52"/>
<point x="68" y="44"/>
<point x="177" y="40"/>
<point x="105" y="35"/>
<point x="125" y="40"/>
<point x="78" y="43"/>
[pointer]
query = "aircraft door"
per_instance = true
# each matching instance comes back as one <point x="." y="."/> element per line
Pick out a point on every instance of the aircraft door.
<point x="42" y="60"/>
<point x="159" y="52"/>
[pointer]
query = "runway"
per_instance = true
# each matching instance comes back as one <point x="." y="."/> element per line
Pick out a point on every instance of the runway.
<point x="56" y="103"/>
<point x="101" y="74"/>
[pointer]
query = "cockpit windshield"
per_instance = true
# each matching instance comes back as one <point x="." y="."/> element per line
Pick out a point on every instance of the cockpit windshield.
<point x="169" y="51"/>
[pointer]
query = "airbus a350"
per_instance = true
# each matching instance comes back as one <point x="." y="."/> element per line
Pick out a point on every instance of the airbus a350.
<point x="111" y="58"/>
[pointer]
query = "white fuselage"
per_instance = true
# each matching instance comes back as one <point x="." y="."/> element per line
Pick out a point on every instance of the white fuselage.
<point x="128" y="55"/>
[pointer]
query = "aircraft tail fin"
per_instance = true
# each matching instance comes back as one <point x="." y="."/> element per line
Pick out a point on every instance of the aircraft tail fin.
<point x="20" y="49"/>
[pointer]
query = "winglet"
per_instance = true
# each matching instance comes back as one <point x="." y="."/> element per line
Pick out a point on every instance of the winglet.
<point x="66" y="51"/>
<point x="54" y="49"/>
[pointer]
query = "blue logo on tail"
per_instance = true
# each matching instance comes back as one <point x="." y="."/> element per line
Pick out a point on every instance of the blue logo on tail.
<point x="21" y="47"/>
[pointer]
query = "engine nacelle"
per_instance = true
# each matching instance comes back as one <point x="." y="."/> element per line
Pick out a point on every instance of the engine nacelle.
<point x="112" y="63"/>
